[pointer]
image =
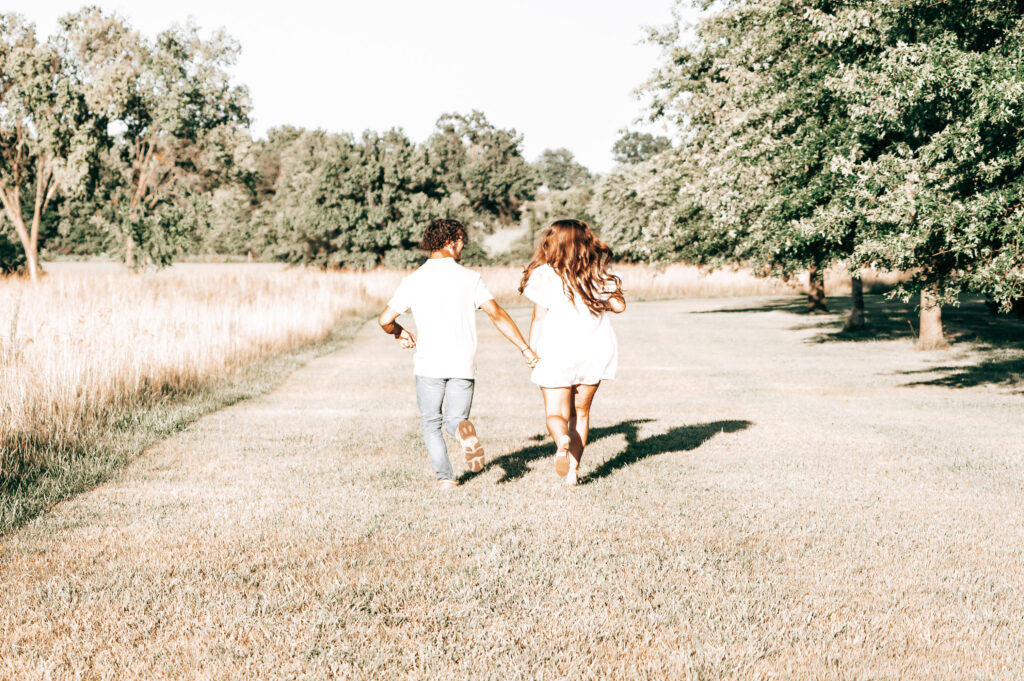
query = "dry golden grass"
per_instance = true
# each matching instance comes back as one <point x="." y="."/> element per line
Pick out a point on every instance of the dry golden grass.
<point x="88" y="346"/>
<point x="93" y="353"/>
<point x="756" y="505"/>
<point x="91" y="344"/>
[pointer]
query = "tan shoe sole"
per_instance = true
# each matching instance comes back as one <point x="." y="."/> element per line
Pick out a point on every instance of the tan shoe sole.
<point x="471" y="446"/>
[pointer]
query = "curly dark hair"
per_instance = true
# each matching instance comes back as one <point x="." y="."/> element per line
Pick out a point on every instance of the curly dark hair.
<point x="442" y="232"/>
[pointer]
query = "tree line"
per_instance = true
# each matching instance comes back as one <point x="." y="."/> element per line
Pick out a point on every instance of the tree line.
<point x="119" y="145"/>
<point x="114" y="143"/>
<point x="812" y="132"/>
<point x="806" y="133"/>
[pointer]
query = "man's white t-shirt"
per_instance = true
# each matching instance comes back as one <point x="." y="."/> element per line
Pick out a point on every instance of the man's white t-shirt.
<point x="443" y="296"/>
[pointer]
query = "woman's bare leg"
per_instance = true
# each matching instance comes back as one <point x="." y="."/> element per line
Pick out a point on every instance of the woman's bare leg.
<point x="557" y="407"/>
<point x="575" y="443"/>
<point x="579" y="422"/>
<point x="557" y="403"/>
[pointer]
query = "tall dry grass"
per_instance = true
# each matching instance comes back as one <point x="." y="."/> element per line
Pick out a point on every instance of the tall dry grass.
<point x="90" y="345"/>
<point x="82" y="350"/>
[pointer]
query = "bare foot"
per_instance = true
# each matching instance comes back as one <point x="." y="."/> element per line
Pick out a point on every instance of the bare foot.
<point x="562" y="456"/>
<point x="572" y="478"/>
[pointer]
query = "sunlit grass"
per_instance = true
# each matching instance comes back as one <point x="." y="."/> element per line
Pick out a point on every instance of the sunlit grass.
<point x="762" y="498"/>
<point x="84" y="349"/>
<point x="89" y="347"/>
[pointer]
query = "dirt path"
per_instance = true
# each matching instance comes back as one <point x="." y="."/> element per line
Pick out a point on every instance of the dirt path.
<point x="756" y="503"/>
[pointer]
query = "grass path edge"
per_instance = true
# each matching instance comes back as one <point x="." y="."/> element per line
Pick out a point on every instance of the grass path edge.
<point x="120" y="443"/>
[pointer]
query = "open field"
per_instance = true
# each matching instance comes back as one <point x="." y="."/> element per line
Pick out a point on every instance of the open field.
<point x="89" y="350"/>
<point x="93" y="350"/>
<point x="764" y="498"/>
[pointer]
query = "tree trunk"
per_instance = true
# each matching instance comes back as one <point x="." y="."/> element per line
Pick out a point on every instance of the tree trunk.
<point x="856" y="320"/>
<point x="129" y="253"/>
<point x="931" y="336"/>
<point x="32" y="264"/>
<point x="815" y="290"/>
<point x="28" y="244"/>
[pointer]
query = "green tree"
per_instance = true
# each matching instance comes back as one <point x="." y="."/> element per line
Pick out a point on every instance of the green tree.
<point x="559" y="170"/>
<point x="12" y="254"/>
<point x="648" y="212"/>
<point x="940" y="187"/>
<point x="484" y="164"/>
<point x="342" y="202"/>
<point x="176" y="120"/>
<point x="47" y="135"/>
<point x="241" y="209"/>
<point x="763" y="125"/>
<point x="874" y="133"/>
<point x="636" y="147"/>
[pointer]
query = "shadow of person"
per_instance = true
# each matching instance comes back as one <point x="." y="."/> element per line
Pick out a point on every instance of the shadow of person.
<point x="678" y="439"/>
<point x="684" y="438"/>
<point x="515" y="464"/>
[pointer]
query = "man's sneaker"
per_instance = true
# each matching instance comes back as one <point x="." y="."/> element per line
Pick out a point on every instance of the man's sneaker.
<point x="562" y="456"/>
<point x="445" y="485"/>
<point x="471" y="446"/>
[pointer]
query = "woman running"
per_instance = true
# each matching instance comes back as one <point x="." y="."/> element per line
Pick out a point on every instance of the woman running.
<point x="573" y="289"/>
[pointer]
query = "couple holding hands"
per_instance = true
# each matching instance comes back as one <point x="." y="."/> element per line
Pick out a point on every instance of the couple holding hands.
<point x="572" y="345"/>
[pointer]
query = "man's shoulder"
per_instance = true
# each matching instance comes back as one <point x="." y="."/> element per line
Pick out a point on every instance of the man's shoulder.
<point x="452" y="274"/>
<point x="466" y="272"/>
<point x="417" y="273"/>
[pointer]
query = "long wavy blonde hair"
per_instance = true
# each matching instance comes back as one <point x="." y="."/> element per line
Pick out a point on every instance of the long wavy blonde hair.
<point x="580" y="259"/>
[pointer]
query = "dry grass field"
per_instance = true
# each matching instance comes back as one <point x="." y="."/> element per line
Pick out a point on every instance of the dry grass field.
<point x="94" y="352"/>
<point x="89" y="350"/>
<point x="764" y="498"/>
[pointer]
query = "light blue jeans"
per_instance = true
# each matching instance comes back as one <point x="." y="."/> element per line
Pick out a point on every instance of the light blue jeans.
<point x="442" y="401"/>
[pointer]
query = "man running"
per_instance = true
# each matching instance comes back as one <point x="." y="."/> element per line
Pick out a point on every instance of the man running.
<point x="444" y="297"/>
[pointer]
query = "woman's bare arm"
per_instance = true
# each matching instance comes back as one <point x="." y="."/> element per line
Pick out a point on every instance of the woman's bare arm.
<point x="503" y="322"/>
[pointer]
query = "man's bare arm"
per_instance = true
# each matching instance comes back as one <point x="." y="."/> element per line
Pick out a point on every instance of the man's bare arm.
<point x="387" y="321"/>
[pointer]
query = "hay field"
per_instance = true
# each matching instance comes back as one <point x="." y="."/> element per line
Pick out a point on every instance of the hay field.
<point x="764" y="498"/>
<point x="88" y="346"/>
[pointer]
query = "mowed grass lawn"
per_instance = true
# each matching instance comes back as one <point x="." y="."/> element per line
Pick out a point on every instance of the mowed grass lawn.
<point x="762" y="499"/>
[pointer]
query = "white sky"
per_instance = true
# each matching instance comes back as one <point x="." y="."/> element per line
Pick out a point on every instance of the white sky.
<point x="561" y="72"/>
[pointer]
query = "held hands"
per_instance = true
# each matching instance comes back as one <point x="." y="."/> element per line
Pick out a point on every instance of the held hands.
<point x="530" y="356"/>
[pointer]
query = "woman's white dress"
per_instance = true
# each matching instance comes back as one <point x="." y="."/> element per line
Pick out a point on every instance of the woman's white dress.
<point x="575" y="347"/>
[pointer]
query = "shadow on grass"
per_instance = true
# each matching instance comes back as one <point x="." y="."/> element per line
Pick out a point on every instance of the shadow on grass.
<point x="1003" y="372"/>
<point x="679" y="439"/>
<point x="888" y="319"/>
<point x="971" y="323"/>
<point x="792" y="305"/>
